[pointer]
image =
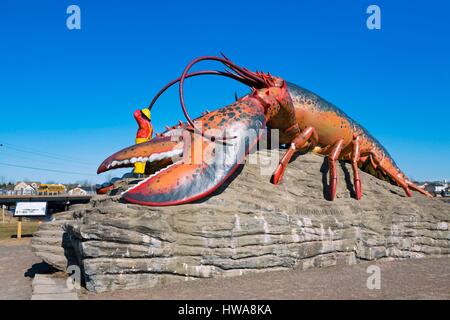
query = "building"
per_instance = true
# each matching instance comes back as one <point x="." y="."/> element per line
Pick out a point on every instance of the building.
<point x="24" y="188"/>
<point x="441" y="189"/>
<point x="20" y="186"/>
<point x="77" y="192"/>
<point x="446" y="192"/>
<point x="35" y="185"/>
<point x="51" y="189"/>
<point x="28" y="190"/>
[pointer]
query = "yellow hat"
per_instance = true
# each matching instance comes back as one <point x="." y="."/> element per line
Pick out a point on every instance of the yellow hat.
<point x="147" y="113"/>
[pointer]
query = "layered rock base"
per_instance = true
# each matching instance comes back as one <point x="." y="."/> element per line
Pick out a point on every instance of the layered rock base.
<point x="249" y="225"/>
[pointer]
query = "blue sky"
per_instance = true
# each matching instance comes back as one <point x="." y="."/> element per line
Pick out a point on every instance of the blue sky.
<point x="71" y="94"/>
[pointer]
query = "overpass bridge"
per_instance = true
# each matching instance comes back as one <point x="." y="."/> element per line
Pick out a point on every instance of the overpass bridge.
<point x="55" y="203"/>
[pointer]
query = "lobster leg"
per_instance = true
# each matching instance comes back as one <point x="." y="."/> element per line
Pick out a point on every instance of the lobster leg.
<point x="393" y="174"/>
<point x="332" y="158"/>
<point x="416" y="188"/>
<point x="279" y="171"/>
<point x="299" y="141"/>
<point x="355" y="159"/>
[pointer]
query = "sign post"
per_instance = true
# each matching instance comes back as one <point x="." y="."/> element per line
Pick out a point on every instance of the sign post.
<point x="19" y="229"/>
<point x="28" y="209"/>
<point x="3" y="213"/>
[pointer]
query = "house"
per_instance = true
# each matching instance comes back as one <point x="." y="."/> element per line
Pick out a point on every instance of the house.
<point x="77" y="192"/>
<point x="441" y="188"/>
<point x="24" y="188"/>
<point x="446" y="193"/>
<point x="28" y="190"/>
<point x="35" y="185"/>
<point x="20" y="186"/>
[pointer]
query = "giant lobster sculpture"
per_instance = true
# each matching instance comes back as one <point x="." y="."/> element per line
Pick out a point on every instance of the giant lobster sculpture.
<point x="304" y="120"/>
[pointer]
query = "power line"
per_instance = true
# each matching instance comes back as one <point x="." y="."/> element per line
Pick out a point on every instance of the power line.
<point x="49" y="170"/>
<point x="42" y="154"/>
<point x="12" y="155"/>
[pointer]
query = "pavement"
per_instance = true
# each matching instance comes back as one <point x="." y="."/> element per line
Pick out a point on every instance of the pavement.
<point x="49" y="287"/>
<point x="23" y="276"/>
<point x="406" y="279"/>
<point x="17" y="266"/>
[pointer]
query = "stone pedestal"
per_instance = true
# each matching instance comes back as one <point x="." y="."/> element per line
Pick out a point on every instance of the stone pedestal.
<point x="251" y="225"/>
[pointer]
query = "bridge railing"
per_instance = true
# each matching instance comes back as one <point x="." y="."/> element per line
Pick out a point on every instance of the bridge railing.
<point x="35" y="193"/>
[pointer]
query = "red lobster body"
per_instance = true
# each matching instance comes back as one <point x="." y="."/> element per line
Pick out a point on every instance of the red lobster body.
<point x="194" y="161"/>
<point x="333" y="124"/>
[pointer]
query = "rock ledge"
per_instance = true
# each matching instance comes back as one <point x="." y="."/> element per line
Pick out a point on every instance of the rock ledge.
<point x="249" y="226"/>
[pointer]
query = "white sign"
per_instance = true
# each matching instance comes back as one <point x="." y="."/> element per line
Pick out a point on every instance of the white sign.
<point x="30" y="209"/>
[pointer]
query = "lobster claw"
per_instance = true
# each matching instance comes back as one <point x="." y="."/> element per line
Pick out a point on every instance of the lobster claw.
<point x="205" y="164"/>
<point x="158" y="149"/>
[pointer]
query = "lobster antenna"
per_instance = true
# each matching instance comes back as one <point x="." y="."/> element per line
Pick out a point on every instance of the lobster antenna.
<point x="227" y="74"/>
<point x="247" y="77"/>
<point x="243" y="71"/>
